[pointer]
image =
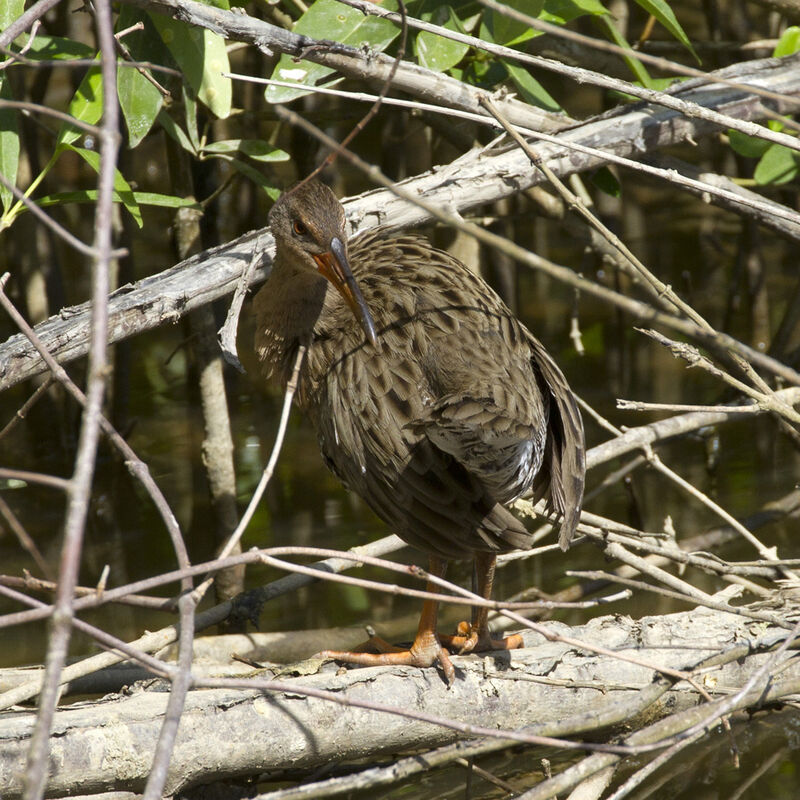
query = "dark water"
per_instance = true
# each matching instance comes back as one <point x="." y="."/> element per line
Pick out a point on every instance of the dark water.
<point x="703" y="772"/>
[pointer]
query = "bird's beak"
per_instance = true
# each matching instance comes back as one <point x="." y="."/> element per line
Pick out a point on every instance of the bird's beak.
<point x="334" y="266"/>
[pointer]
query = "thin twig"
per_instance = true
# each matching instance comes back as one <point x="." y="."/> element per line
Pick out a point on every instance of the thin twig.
<point x="25" y="20"/>
<point x="694" y="358"/>
<point x="26" y="476"/>
<point x="227" y="333"/>
<point x="670" y="175"/>
<point x="661" y="430"/>
<point x="32" y="583"/>
<point x="269" y="469"/>
<point x="81" y="481"/>
<point x="585" y="76"/>
<point x="134" y="464"/>
<point x="59" y="230"/>
<point x="26" y="406"/>
<point x="62" y="116"/>
<point x="181" y="683"/>
<point x="25" y="539"/>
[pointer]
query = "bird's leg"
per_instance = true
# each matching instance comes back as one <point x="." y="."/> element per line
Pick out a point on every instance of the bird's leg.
<point x="425" y="650"/>
<point x="475" y="637"/>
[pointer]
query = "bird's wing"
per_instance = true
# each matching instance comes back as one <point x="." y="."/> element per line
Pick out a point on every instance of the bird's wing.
<point x="496" y="403"/>
<point x="562" y="477"/>
<point x="518" y="434"/>
<point x="502" y="453"/>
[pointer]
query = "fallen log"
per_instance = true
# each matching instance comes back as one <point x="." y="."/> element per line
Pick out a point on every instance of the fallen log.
<point x="549" y="688"/>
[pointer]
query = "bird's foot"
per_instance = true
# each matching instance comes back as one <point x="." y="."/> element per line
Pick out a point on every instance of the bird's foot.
<point x="425" y="651"/>
<point x="477" y="639"/>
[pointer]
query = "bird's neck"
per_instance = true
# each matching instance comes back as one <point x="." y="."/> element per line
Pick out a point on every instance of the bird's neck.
<point x="287" y="308"/>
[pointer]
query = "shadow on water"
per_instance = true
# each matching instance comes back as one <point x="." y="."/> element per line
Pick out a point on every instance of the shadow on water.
<point x="768" y="754"/>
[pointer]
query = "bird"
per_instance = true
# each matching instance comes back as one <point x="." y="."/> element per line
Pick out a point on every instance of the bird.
<point x="429" y="398"/>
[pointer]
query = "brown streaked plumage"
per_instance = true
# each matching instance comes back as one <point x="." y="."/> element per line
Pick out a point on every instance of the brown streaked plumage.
<point x="429" y="398"/>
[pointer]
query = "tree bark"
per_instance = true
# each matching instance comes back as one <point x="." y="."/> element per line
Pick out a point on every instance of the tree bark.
<point x="473" y="180"/>
<point x="549" y="688"/>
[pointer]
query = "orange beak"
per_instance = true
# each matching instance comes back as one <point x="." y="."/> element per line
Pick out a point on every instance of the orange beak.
<point x="334" y="266"/>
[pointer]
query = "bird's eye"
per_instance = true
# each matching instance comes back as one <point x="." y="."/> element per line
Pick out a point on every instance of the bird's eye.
<point x="299" y="228"/>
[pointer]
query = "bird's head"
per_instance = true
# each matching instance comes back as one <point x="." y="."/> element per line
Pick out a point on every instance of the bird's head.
<point x="308" y="223"/>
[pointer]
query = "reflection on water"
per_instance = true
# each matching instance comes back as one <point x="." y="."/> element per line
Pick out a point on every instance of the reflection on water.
<point x="767" y="746"/>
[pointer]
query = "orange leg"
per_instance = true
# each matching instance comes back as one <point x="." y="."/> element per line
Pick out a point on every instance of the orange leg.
<point x="475" y="637"/>
<point x="426" y="648"/>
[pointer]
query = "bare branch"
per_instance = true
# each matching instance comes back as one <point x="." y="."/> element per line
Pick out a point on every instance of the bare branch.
<point x="81" y="481"/>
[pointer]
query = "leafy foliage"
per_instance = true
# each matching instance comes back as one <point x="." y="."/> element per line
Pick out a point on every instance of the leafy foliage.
<point x="776" y="164"/>
<point x="173" y="79"/>
<point x="327" y="19"/>
<point x="198" y="61"/>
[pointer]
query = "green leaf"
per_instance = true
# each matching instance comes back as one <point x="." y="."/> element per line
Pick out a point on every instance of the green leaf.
<point x="165" y="200"/>
<point x="56" y="48"/>
<point x="789" y="43"/>
<point x="9" y="11"/>
<point x="748" y="146"/>
<point x="778" y="165"/>
<point x="664" y="14"/>
<point x="257" y="149"/>
<point x="434" y="51"/>
<point x="202" y="57"/>
<point x="529" y="88"/>
<point x="328" y="19"/>
<point x="215" y="91"/>
<point x="175" y="132"/>
<point x="139" y="99"/>
<point x="662" y="84"/>
<point x="605" y="180"/>
<point x="86" y="105"/>
<point x="9" y="144"/>
<point x="255" y="176"/>
<point x="659" y="84"/>
<point x="142" y="198"/>
<point x="121" y="186"/>
<point x="224" y="147"/>
<point x="483" y="72"/>
<point x="501" y="29"/>
<point x="190" y="109"/>
<point x="140" y="102"/>
<point x="562" y="11"/>
<point x="636" y="67"/>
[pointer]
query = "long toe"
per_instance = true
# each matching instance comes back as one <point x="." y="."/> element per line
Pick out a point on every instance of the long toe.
<point x="480" y="641"/>
<point x="424" y="655"/>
